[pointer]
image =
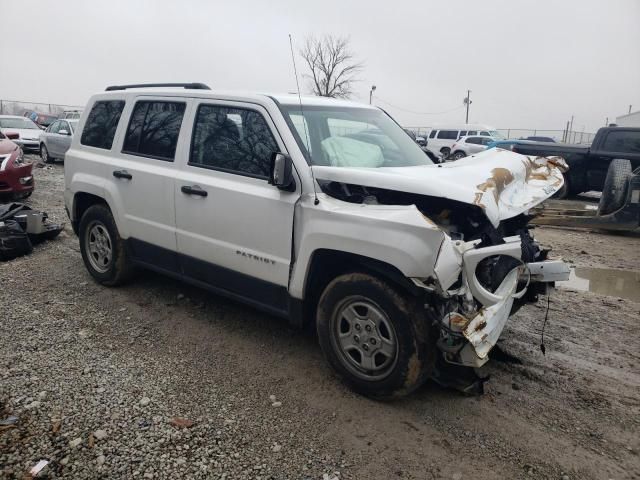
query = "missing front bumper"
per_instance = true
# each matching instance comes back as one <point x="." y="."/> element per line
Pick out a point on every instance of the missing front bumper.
<point x="469" y="335"/>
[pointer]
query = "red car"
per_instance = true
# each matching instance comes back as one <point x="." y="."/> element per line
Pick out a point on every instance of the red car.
<point x="16" y="179"/>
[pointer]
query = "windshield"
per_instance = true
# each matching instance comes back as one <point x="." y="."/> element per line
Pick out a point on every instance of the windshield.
<point x="23" y="123"/>
<point x="353" y="137"/>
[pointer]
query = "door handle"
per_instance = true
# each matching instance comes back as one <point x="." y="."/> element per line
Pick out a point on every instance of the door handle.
<point x="193" y="190"/>
<point x="122" y="174"/>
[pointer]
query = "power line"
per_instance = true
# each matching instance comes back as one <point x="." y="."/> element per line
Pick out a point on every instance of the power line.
<point x="417" y="113"/>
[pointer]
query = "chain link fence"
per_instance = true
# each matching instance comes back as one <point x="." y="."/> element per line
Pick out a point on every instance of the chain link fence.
<point x="18" y="107"/>
<point x="570" y="136"/>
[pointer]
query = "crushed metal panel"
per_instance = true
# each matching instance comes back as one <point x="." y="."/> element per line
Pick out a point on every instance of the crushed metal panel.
<point x="483" y="331"/>
<point x="503" y="183"/>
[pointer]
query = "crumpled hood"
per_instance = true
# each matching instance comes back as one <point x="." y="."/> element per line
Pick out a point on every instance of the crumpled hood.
<point x="502" y="183"/>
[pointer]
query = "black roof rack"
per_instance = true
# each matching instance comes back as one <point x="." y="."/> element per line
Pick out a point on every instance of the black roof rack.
<point x="191" y="86"/>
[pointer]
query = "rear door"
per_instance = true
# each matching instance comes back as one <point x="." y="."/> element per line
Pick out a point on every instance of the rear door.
<point x="142" y="177"/>
<point x="234" y="230"/>
<point x="473" y="145"/>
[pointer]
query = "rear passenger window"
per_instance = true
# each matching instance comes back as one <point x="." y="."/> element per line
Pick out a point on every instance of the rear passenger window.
<point x="234" y="140"/>
<point x="448" y="134"/>
<point x="101" y="124"/>
<point x="154" y="129"/>
<point x="624" y="141"/>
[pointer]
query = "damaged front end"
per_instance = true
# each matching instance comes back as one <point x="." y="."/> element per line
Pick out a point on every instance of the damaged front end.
<point x="488" y="264"/>
<point x="493" y="281"/>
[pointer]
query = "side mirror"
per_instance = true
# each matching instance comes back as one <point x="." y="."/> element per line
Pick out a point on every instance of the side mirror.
<point x="63" y="132"/>
<point x="281" y="174"/>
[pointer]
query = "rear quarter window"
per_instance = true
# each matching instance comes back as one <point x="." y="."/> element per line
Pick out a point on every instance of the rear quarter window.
<point x="448" y="134"/>
<point x="101" y="124"/>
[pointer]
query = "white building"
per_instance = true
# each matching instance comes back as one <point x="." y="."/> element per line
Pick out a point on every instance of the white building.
<point x="629" y="120"/>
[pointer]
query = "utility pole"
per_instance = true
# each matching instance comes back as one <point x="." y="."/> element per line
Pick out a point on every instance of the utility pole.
<point x="373" y="89"/>
<point x="606" y="122"/>
<point x="570" y="130"/>
<point x="630" y="108"/>
<point x="467" y="101"/>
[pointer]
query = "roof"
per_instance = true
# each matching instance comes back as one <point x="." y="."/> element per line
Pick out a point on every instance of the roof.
<point x="283" y="98"/>
<point x="463" y="126"/>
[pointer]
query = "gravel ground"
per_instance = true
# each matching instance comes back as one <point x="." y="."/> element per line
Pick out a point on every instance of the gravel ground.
<point x="160" y="380"/>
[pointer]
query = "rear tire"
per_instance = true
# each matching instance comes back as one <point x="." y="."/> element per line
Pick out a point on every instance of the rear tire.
<point x="445" y="151"/>
<point x="103" y="251"/>
<point x="44" y="154"/>
<point x="375" y="337"/>
<point x="614" y="192"/>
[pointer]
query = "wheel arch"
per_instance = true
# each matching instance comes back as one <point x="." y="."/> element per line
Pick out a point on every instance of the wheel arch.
<point x="81" y="203"/>
<point x="327" y="264"/>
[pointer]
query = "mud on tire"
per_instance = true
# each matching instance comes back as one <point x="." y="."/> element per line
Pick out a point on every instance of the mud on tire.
<point x="98" y="227"/>
<point x="359" y="311"/>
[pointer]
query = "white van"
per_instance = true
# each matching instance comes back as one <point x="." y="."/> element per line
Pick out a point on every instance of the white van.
<point x="442" y="138"/>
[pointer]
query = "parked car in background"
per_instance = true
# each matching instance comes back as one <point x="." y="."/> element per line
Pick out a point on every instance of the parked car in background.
<point x="43" y="120"/>
<point x="441" y="139"/>
<point x="56" y="140"/>
<point x="469" y="145"/>
<point x="16" y="180"/>
<point x="71" y="114"/>
<point x="21" y="130"/>
<point x="540" y="139"/>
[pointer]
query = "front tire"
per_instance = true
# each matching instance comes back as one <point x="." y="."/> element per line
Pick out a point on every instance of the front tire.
<point x="103" y="251"/>
<point x="445" y="151"/>
<point x="375" y="337"/>
<point x="458" y="155"/>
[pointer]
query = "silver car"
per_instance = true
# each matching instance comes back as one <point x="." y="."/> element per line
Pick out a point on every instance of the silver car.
<point x="56" y="140"/>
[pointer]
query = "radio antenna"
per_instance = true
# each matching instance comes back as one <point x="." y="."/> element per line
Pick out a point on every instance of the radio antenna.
<point x="316" y="201"/>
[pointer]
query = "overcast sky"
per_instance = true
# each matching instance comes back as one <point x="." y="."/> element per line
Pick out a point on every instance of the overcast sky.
<point x="529" y="63"/>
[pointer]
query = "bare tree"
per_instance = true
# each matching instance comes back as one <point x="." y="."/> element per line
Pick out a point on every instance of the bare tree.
<point x="332" y="64"/>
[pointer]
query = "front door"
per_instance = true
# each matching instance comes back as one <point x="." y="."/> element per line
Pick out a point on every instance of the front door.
<point x="234" y="230"/>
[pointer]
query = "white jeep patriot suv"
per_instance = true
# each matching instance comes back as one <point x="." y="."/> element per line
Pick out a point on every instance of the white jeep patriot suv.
<point x="322" y="211"/>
